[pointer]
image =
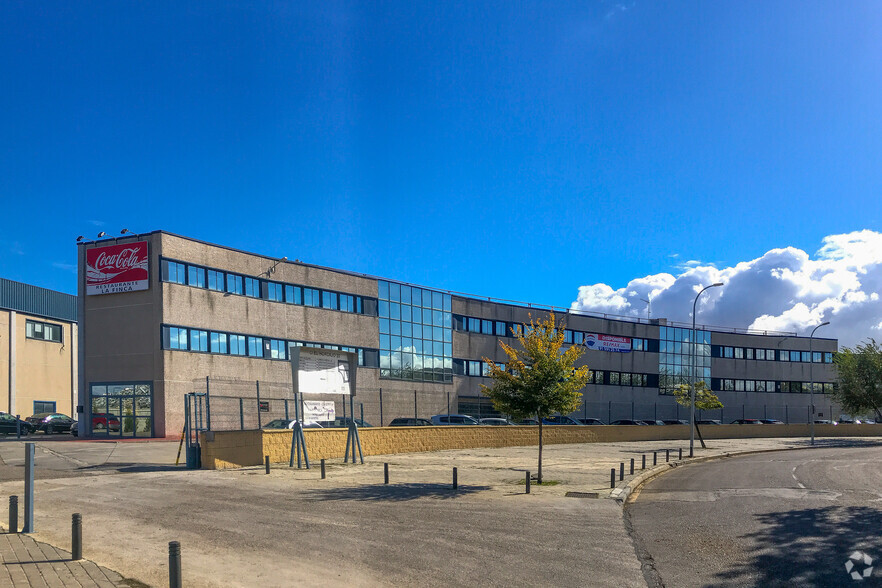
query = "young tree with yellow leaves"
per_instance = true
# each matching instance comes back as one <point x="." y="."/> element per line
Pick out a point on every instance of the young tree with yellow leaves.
<point x="540" y="378"/>
<point x="704" y="400"/>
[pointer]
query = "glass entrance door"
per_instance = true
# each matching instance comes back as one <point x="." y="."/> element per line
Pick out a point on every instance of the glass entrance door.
<point x="122" y="410"/>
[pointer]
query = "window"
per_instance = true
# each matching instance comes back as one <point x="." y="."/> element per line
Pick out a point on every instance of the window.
<point x="614" y="378"/>
<point x="41" y="406"/>
<point x="474" y="325"/>
<point x="739" y="385"/>
<point x="347" y="303"/>
<point x="216" y="280"/>
<point x="828" y="358"/>
<point x="329" y="300"/>
<point x="252" y="287"/>
<point x="277" y="349"/>
<point x="255" y="347"/>
<point x="474" y="368"/>
<point x="739" y="353"/>
<point x="761" y="384"/>
<point x="770" y="386"/>
<point x="501" y="331"/>
<point x="198" y="340"/>
<point x="237" y="345"/>
<point x="770" y="355"/>
<point x="486" y="326"/>
<point x="578" y="337"/>
<point x="174" y="272"/>
<point x="729" y="352"/>
<point x="218" y="342"/>
<point x="293" y="294"/>
<point x="638" y="344"/>
<point x="598" y="377"/>
<point x="274" y="291"/>
<point x="177" y="338"/>
<point x="749" y="386"/>
<point x="196" y="276"/>
<point x="805" y="357"/>
<point x="43" y="331"/>
<point x="311" y="297"/>
<point x="816" y="357"/>
<point x="729" y="385"/>
<point x="795" y="356"/>
<point x="625" y="379"/>
<point x="784" y="356"/>
<point x="234" y="284"/>
<point x="761" y="354"/>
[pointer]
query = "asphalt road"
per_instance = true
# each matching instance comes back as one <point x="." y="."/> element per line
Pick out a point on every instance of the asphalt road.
<point x="789" y="518"/>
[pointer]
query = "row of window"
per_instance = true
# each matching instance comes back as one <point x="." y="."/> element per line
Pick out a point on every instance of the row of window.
<point x="43" y="331"/>
<point x="205" y="341"/>
<point x="507" y="329"/>
<point x="219" y="281"/>
<point x="467" y="367"/>
<point x="771" y="354"/>
<point x="727" y="385"/>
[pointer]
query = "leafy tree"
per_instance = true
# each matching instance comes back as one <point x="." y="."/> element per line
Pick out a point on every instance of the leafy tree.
<point x="540" y="377"/>
<point x="704" y="400"/>
<point x="860" y="378"/>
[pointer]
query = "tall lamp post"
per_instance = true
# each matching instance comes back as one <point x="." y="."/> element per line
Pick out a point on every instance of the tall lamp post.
<point x="812" y="379"/>
<point x="694" y="370"/>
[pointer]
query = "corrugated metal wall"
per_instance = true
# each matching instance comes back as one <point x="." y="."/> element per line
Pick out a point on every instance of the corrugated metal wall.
<point x="37" y="301"/>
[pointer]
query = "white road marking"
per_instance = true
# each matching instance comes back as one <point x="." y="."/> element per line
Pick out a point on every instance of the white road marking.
<point x="793" y="473"/>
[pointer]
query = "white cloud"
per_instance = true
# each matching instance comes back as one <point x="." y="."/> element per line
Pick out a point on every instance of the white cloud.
<point x="784" y="290"/>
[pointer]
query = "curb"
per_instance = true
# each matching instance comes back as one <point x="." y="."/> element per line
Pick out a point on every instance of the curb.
<point x="621" y="494"/>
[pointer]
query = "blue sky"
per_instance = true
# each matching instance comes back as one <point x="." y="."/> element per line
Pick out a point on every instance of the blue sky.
<point x="516" y="150"/>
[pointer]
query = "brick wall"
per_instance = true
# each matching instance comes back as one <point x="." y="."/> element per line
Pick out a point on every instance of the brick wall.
<point x="230" y="449"/>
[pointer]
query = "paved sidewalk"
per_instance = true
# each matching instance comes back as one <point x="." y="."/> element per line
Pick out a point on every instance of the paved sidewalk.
<point x="28" y="562"/>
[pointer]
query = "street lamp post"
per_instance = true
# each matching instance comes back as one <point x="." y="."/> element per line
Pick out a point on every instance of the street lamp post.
<point x="694" y="369"/>
<point x="812" y="380"/>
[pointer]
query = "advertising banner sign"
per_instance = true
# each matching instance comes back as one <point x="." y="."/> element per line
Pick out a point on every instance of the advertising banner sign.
<point x="607" y="343"/>
<point x="117" y="268"/>
<point x="318" y="410"/>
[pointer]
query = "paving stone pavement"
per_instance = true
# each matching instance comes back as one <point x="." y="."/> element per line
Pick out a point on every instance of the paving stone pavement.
<point x="31" y="563"/>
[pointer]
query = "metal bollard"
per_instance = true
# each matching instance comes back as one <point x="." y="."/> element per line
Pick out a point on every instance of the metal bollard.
<point x="455" y="484"/>
<point x="76" y="537"/>
<point x="612" y="478"/>
<point x="681" y="453"/>
<point x="13" y="514"/>
<point x="643" y="463"/>
<point x="266" y="462"/>
<point x="527" y="482"/>
<point x="621" y="471"/>
<point x="174" y="565"/>
<point x="667" y="455"/>
<point x="323" y="469"/>
<point x="655" y="458"/>
<point x="632" y="466"/>
<point x="385" y="473"/>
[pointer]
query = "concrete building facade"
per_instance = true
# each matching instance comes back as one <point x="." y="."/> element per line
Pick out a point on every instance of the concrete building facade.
<point x="208" y="311"/>
<point x="38" y="350"/>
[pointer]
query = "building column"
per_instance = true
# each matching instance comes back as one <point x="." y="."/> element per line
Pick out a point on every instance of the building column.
<point x="12" y="337"/>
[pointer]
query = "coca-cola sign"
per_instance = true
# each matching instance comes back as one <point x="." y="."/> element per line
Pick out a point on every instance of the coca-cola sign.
<point x="117" y="268"/>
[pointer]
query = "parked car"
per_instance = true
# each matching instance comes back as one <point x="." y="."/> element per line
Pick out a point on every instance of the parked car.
<point x="591" y="422"/>
<point x="708" y="422"/>
<point x="746" y="422"/>
<point x="528" y="422"/>
<point x="495" y="421"/>
<point x="342" y="423"/>
<point x="73" y="429"/>
<point x="409" y="422"/>
<point x="104" y="421"/>
<point x="289" y="424"/>
<point x="652" y="422"/>
<point x="9" y="425"/>
<point x="560" y="420"/>
<point x="771" y="422"/>
<point x="50" y="422"/>
<point x="627" y="422"/>
<point x="676" y="422"/>
<point x="825" y="422"/>
<point x="453" y="419"/>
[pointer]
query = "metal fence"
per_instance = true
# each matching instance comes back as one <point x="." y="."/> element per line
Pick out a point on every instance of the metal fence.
<point x="612" y="411"/>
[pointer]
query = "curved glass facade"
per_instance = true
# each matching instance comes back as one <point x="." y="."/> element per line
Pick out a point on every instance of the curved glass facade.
<point x="675" y="357"/>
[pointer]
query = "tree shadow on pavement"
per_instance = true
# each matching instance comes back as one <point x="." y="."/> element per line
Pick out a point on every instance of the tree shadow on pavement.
<point x="394" y="492"/>
<point x="132" y="468"/>
<point x="833" y="442"/>
<point x="809" y="547"/>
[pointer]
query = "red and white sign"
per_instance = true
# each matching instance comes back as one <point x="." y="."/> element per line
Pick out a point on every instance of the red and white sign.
<point x="117" y="268"/>
<point x="607" y="343"/>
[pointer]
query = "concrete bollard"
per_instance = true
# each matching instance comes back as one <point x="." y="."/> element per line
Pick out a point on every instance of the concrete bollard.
<point x="680" y="454"/>
<point x="385" y="473"/>
<point x="266" y="462"/>
<point x="621" y="471"/>
<point x="455" y="484"/>
<point x="655" y="458"/>
<point x="643" y="462"/>
<point x="632" y="466"/>
<point x="527" y="482"/>
<point x="13" y="514"/>
<point x="174" y="565"/>
<point x="323" y="469"/>
<point x="612" y="478"/>
<point x="76" y="537"/>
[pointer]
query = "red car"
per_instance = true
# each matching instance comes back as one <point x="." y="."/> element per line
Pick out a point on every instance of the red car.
<point x="103" y="421"/>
